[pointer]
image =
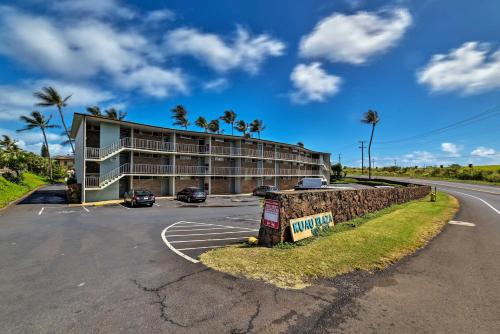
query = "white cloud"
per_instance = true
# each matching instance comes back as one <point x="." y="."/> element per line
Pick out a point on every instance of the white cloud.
<point x="18" y="100"/>
<point x="86" y="49"/>
<point x="159" y="15"/>
<point x="313" y="84"/>
<point x="98" y="8"/>
<point x="420" y="157"/>
<point x="33" y="140"/>
<point x="243" y="51"/>
<point x="470" y="69"/>
<point x="482" y="151"/>
<point x="216" y="85"/>
<point x="355" y="38"/>
<point x="450" y="148"/>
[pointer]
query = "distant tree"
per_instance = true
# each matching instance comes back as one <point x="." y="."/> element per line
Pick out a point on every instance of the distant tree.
<point x="370" y="117"/>
<point x="44" y="151"/>
<point x="257" y="126"/>
<point x="117" y="115"/>
<point x="336" y="170"/>
<point x="202" y="123"/>
<point x="94" y="111"/>
<point x="8" y="144"/>
<point x="37" y="120"/>
<point x="229" y="118"/>
<point x="301" y="144"/>
<point x="180" y="116"/>
<point x="242" y="126"/>
<point x="214" y="126"/>
<point x="48" y="97"/>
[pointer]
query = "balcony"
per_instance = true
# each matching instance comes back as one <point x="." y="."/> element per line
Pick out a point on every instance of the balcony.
<point x="95" y="153"/>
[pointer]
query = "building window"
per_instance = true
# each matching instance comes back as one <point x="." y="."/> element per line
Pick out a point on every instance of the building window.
<point x="220" y="140"/>
<point x="219" y="159"/>
<point x="184" y="157"/>
<point x="185" y="137"/>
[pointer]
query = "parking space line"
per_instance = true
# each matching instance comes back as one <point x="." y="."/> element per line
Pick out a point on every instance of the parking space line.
<point x="41" y="210"/>
<point x="212" y="228"/>
<point x="191" y="248"/>
<point x="185" y="235"/>
<point x="172" y="248"/>
<point x="84" y="208"/>
<point x="203" y="240"/>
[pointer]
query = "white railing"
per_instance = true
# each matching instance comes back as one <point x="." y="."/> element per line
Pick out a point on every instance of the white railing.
<point x="192" y="170"/>
<point x="152" y="169"/>
<point x="92" y="181"/>
<point x="155" y="145"/>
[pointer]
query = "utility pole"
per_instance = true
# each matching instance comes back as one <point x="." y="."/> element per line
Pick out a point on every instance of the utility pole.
<point x="362" y="147"/>
<point x="340" y="161"/>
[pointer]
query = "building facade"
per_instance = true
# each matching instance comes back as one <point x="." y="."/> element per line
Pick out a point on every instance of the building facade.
<point x="112" y="157"/>
<point x="65" y="161"/>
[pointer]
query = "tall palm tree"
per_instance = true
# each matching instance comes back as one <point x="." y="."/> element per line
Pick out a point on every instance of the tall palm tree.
<point x="118" y="115"/>
<point x="370" y="117"/>
<point x="37" y="120"/>
<point x="94" y="111"/>
<point x="202" y="123"/>
<point x="257" y="126"/>
<point x="180" y="116"/>
<point x="229" y="117"/>
<point x="214" y="126"/>
<point x="242" y="127"/>
<point x="8" y="144"/>
<point x="48" y="97"/>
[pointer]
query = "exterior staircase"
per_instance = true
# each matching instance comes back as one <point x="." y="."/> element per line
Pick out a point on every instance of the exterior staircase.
<point x="108" y="178"/>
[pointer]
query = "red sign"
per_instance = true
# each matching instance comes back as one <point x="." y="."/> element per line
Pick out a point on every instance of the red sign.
<point x="271" y="214"/>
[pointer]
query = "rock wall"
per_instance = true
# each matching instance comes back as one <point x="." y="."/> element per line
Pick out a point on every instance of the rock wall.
<point x="344" y="205"/>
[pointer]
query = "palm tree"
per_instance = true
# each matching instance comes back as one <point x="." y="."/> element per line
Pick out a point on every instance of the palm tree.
<point x="202" y="123"/>
<point x="370" y="117"/>
<point x="94" y="111"/>
<point x="300" y="144"/>
<point x="37" y="120"/>
<point x="242" y="127"/>
<point x="48" y="97"/>
<point x="180" y="116"/>
<point x="229" y="117"/>
<point x="214" y="126"/>
<point x="257" y="126"/>
<point x="8" y="144"/>
<point x="112" y="113"/>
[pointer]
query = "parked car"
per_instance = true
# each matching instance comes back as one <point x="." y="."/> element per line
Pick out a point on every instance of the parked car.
<point x="311" y="183"/>
<point x="137" y="197"/>
<point x="192" y="194"/>
<point x="262" y="190"/>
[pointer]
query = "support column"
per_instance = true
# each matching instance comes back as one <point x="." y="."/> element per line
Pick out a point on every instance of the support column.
<point x="172" y="184"/>
<point x="209" y="191"/>
<point x="84" y="158"/>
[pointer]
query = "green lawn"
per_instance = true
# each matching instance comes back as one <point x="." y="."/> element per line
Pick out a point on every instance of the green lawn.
<point x="11" y="191"/>
<point x="367" y="243"/>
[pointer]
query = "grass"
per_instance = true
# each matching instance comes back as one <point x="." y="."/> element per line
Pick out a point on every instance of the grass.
<point x="11" y="191"/>
<point x="368" y="243"/>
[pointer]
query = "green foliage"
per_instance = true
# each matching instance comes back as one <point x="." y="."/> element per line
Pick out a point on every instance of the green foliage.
<point x="336" y="171"/>
<point x="10" y="191"/>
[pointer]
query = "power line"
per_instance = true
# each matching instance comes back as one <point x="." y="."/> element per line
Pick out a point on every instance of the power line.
<point x="493" y="112"/>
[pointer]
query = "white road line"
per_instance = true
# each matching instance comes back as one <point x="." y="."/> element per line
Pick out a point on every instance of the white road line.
<point x="190" y="248"/>
<point x="172" y="248"/>
<point x="211" y="228"/>
<point x="457" y="222"/>
<point x="84" y="208"/>
<point x="482" y="200"/>
<point x="41" y="210"/>
<point x="185" y="235"/>
<point x="203" y="224"/>
<point x="203" y="240"/>
<point x="431" y="183"/>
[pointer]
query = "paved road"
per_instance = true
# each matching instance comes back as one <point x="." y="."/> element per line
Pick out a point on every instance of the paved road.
<point x="107" y="270"/>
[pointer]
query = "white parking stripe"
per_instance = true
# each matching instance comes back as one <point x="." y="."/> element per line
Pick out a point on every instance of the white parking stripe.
<point x="211" y="228"/>
<point x="41" y="210"/>
<point x="84" y="208"/>
<point x="203" y="240"/>
<point x="185" y="235"/>
<point x="191" y="248"/>
<point x="173" y="249"/>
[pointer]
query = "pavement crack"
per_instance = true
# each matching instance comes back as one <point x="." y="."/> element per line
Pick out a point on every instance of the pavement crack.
<point x="162" y="300"/>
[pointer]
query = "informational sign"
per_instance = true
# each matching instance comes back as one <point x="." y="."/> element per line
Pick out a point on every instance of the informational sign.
<point x="305" y="227"/>
<point x="271" y="214"/>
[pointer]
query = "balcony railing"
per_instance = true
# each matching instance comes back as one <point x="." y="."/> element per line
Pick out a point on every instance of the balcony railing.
<point x="154" y="145"/>
<point x="152" y="169"/>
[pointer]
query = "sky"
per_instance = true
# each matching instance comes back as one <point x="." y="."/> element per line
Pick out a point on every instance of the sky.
<point x="308" y="69"/>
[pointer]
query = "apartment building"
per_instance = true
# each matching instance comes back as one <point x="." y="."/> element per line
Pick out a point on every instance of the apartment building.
<point x="113" y="156"/>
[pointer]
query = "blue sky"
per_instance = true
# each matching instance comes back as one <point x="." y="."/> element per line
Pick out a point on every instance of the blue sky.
<point x="308" y="69"/>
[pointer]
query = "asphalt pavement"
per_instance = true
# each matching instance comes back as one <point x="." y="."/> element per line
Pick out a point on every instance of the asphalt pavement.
<point x="108" y="270"/>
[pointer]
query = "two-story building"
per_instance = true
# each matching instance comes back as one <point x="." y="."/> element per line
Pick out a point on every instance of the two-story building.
<point x="113" y="156"/>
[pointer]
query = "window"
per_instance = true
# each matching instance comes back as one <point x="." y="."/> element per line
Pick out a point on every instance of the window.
<point x="219" y="159"/>
<point x="220" y="140"/>
<point x="185" y="137"/>
<point x="184" y="157"/>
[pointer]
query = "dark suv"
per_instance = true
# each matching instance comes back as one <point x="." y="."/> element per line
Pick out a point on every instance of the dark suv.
<point x="192" y="194"/>
<point x="262" y="190"/>
<point x="137" y="197"/>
